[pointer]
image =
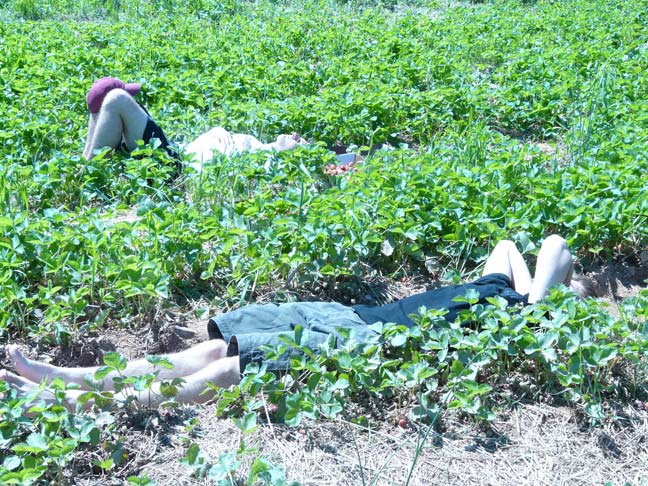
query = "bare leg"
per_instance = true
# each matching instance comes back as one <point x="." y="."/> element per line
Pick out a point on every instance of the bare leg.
<point x="92" y="124"/>
<point x="223" y="373"/>
<point x="18" y="382"/>
<point x="505" y="258"/>
<point x="120" y="117"/>
<point x="185" y="363"/>
<point x="25" y="388"/>
<point x="554" y="266"/>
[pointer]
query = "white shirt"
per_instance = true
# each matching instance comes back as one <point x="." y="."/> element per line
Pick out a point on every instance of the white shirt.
<point x="218" y="140"/>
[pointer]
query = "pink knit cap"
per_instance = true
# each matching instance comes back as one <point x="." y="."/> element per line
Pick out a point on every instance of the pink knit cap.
<point x="101" y="87"/>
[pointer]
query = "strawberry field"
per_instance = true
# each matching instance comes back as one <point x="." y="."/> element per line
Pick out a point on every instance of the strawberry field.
<point x="485" y="121"/>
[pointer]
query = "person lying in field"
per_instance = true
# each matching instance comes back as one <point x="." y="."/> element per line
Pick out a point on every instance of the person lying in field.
<point x="237" y="336"/>
<point x="118" y="121"/>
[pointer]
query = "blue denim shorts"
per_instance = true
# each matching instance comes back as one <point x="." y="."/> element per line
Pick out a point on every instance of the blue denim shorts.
<point x="256" y="325"/>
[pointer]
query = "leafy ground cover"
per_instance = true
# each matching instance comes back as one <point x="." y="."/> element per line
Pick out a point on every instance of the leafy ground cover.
<point x="498" y="120"/>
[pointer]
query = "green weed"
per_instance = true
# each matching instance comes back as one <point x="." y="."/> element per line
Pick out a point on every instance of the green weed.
<point x="505" y="119"/>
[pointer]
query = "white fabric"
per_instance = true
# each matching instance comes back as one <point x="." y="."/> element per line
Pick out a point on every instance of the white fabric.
<point x="218" y="140"/>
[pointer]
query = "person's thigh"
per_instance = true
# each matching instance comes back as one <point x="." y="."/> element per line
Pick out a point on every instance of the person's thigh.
<point x="332" y="318"/>
<point x="119" y="109"/>
<point x="252" y="319"/>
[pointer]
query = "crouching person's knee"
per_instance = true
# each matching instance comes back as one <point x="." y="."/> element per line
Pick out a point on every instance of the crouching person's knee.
<point x="116" y="99"/>
<point x="556" y="242"/>
<point x="504" y="246"/>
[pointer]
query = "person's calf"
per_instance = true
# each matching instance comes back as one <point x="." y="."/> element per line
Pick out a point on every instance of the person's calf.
<point x="198" y="388"/>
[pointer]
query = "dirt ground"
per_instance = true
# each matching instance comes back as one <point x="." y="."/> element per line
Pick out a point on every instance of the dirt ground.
<point x="529" y="444"/>
<point x="534" y="445"/>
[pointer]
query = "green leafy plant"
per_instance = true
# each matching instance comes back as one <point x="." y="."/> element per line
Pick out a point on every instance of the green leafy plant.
<point x="499" y="119"/>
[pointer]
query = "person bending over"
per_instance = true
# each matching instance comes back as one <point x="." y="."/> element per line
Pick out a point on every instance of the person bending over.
<point x="118" y="121"/>
<point x="238" y="335"/>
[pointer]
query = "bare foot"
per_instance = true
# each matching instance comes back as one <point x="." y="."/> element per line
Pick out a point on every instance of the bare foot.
<point x="4" y="376"/>
<point x="18" y="359"/>
<point x="23" y="386"/>
<point x="32" y="370"/>
<point x="17" y="381"/>
<point x="31" y="391"/>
